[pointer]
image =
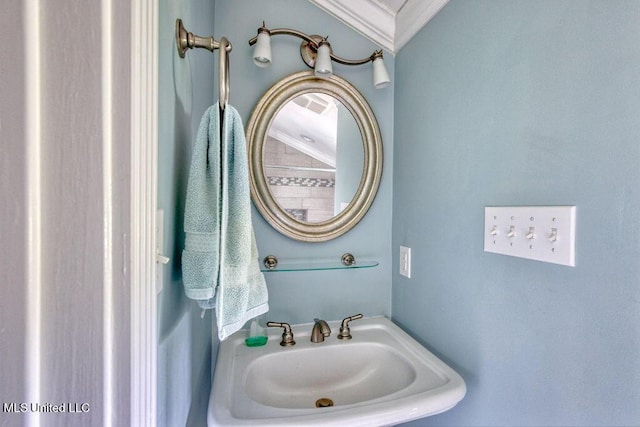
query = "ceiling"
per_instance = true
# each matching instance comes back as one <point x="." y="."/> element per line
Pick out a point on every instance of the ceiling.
<point x="309" y="123"/>
<point x="388" y="23"/>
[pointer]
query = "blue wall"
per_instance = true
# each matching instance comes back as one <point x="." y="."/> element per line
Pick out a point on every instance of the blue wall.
<point x="185" y="346"/>
<point x="186" y="88"/>
<point x="498" y="103"/>
<point x="523" y="103"/>
<point x="298" y="297"/>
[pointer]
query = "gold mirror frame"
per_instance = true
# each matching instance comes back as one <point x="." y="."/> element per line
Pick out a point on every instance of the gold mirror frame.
<point x="257" y="129"/>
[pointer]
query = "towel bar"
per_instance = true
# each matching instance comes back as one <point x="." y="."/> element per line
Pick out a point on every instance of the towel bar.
<point x="187" y="40"/>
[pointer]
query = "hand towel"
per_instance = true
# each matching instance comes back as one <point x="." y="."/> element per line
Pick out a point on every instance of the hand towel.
<point x="220" y="260"/>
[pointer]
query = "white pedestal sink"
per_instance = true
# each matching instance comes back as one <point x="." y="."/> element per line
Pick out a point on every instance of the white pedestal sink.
<point x="380" y="377"/>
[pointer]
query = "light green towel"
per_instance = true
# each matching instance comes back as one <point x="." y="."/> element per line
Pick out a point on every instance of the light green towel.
<point x="220" y="260"/>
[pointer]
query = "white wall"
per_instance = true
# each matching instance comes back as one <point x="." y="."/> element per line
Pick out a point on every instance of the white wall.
<point x="64" y="162"/>
<point x="14" y="221"/>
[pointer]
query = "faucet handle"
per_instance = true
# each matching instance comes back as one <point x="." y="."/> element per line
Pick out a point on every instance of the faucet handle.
<point x="345" y="331"/>
<point x="287" y="335"/>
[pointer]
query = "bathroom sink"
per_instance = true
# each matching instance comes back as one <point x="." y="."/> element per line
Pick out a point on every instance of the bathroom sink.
<point x="380" y="377"/>
<point x="296" y="380"/>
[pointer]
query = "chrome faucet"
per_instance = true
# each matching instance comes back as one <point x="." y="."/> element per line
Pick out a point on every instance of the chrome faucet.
<point x="345" y="331"/>
<point x="287" y="335"/>
<point x="320" y="331"/>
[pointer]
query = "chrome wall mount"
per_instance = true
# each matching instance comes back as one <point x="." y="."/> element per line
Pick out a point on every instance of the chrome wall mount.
<point x="186" y="40"/>
<point x="270" y="262"/>
<point x="348" y="259"/>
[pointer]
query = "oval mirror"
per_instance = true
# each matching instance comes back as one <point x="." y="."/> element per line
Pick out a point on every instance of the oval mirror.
<point x="315" y="156"/>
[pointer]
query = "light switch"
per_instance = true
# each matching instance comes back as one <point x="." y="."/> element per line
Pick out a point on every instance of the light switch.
<point x="542" y="233"/>
<point x="405" y="262"/>
<point x="161" y="260"/>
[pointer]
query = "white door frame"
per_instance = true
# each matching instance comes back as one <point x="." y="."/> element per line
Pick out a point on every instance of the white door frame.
<point x="143" y="204"/>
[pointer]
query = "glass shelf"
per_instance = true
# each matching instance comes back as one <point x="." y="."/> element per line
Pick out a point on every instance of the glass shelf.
<point x="317" y="266"/>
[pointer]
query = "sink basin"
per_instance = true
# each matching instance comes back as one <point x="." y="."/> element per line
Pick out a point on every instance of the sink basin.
<point x="294" y="379"/>
<point x="380" y="377"/>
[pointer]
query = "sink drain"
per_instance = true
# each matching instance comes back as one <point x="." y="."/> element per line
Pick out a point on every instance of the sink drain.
<point x="324" y="402"/>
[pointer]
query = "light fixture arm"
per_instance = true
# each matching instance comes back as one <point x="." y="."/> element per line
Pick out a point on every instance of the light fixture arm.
<point x="312" y="43"/>
<point x="316" y="52"/>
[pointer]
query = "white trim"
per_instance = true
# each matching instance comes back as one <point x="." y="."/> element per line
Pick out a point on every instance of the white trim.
<point x="412" y="17"/>
<point x="383" y="25"/>
<point x="33" y="134"/>
<point x="108" y="287"/>
<point x="144" y="121"/>
<point x="367" y="17"/>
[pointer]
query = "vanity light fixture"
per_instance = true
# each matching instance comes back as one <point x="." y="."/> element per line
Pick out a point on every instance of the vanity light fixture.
<point x="316" y="52"/>
<point x="323" y="67"/>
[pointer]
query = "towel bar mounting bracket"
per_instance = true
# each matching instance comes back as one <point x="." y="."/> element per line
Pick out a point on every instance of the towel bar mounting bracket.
<point x="187" y="40"/>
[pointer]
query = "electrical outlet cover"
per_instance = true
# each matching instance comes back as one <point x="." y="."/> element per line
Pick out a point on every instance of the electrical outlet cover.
<point x="405" y="262"/>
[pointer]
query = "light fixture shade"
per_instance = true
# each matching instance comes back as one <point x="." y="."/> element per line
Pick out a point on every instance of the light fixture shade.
<point x="323" y="68"/>
<point x="262" y="51"/>
<point x="380" y="75"/>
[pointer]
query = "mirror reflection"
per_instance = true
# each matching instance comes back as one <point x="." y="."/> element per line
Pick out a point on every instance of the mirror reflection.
<point x="313" y="157"/>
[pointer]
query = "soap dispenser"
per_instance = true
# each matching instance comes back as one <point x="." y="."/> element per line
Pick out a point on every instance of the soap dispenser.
<point x="257" y="335"/>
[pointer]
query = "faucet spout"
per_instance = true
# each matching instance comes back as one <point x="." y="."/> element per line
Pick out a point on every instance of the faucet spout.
<point x="320" y="331"/>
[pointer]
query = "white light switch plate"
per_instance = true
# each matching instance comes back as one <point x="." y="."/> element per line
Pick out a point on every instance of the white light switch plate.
<point x="405" y="262"/>
<point x="542" y="233"/>
<point x="159" y="249"/>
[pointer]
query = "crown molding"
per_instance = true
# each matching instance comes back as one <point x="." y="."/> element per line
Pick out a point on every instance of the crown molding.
<point x="391" y="29"/>
<point x="412" y="17"/>
<point x="368" y="17"/>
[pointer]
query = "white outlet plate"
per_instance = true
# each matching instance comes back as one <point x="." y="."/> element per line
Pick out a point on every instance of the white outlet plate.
<point x="405" y="262"/>
<point x="542" y="233"/>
